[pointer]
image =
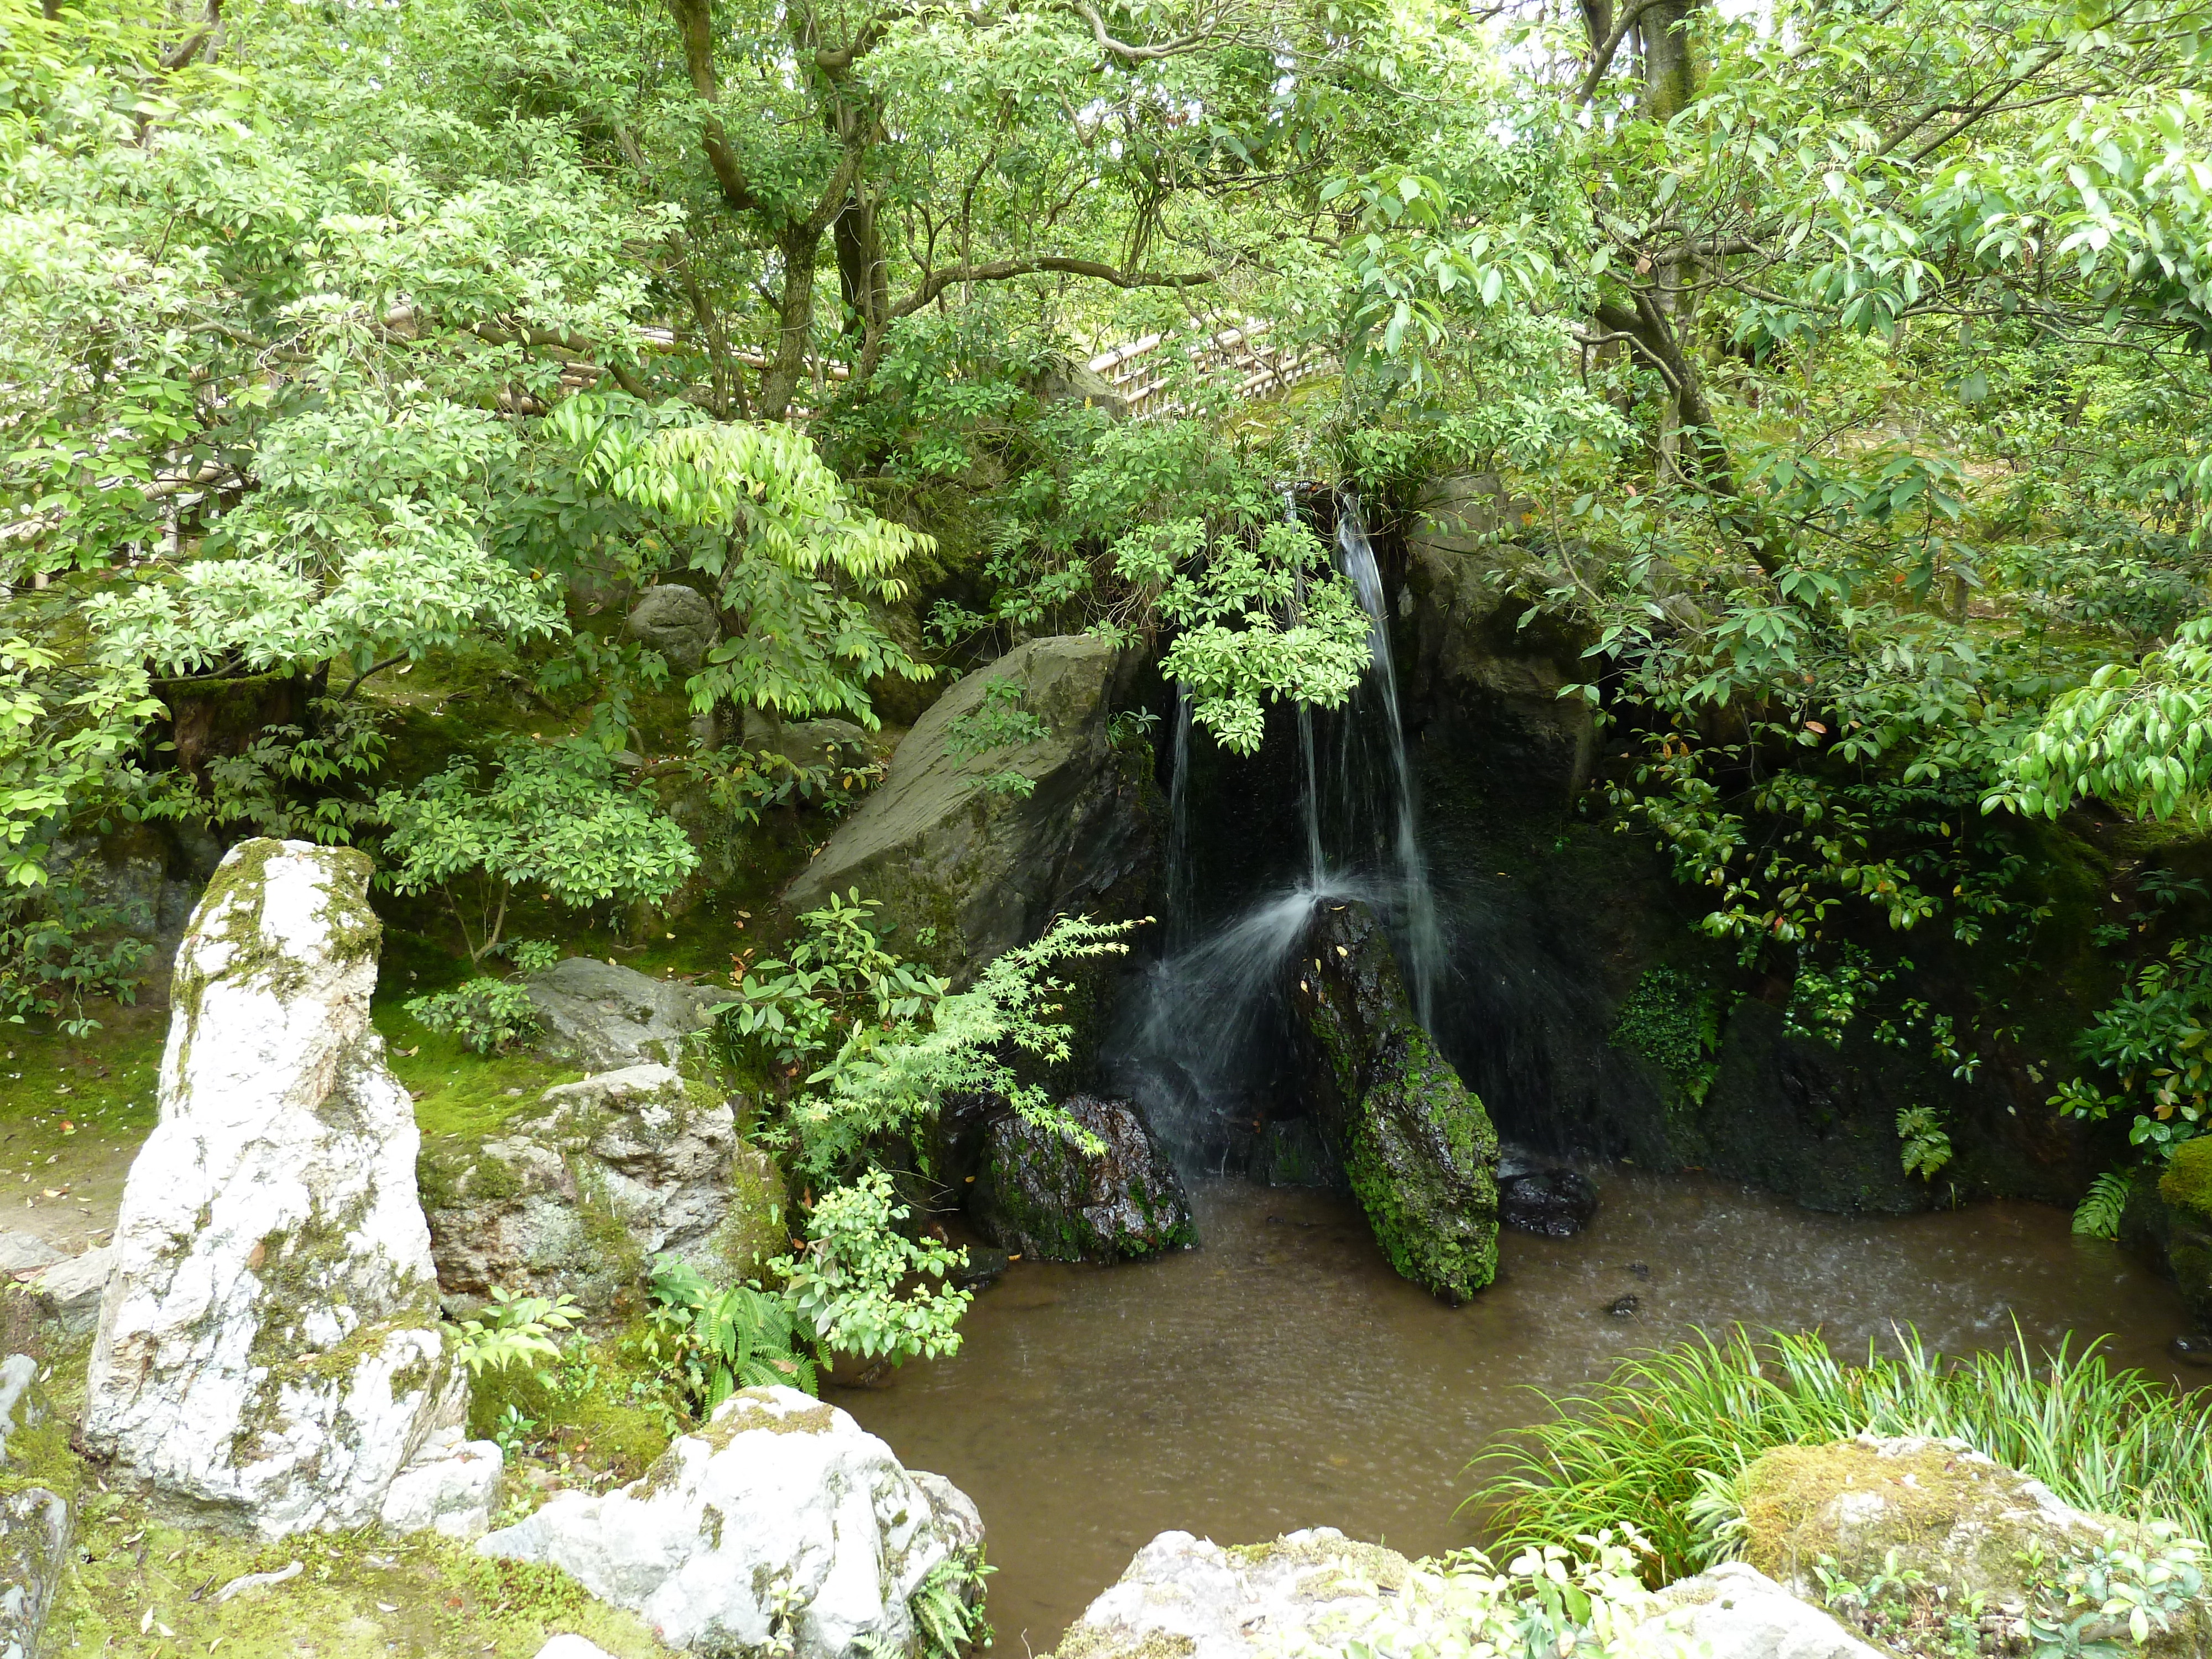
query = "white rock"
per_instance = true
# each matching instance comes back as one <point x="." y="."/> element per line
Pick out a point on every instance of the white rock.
<point x="779" y="1498"/>
<point x="269" y="1344"/>
<point x="1736" y="1612"/>
<point x="451" y="1488"/>
<point x="1303" y="1589"/>
<point x="21" y="1251"/>
<point x="572" y="1647"/>
<point x="1318" y="1592"/>
<point x="71" y="1291"/>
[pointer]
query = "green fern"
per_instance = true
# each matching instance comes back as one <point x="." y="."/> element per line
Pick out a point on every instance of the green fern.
<point x="2099" y="1214"/>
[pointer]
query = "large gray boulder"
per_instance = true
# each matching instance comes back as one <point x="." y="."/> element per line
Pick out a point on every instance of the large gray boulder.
<point x="576" y="1195"/>
<point x="38" y="1517"/>
<point x="1416" y="1147"/>
<point x="677" y="622"/>
<point x="1041" y="1196"/>
<point x="780" y="1519"/>
<point x="982" y="869"/>
<point x="269" y="1351"/>
<point x="604" y="1018"/>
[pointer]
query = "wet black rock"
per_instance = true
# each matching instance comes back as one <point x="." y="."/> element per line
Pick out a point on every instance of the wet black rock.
<point x="1556" y="1203"/>
<point x="1625" y="1307"/>
<point x="983" y="1269"/>
<point x="1417" y="1148"/>
<point x="1039" y="1195"/>
<point x="2194" y="1349"/>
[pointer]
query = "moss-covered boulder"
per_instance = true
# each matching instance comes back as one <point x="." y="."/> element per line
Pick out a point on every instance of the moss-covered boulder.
<point x="1940" y="1525"/>
<point x="576" y="1195"/>
<point x="1040" y="1195"/>
<point x="2186" y="1187"/>
<point x="1416" y="1146"/>
<point x="973" y="842"/>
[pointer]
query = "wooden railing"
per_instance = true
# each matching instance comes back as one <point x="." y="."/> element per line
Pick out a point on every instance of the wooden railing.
<point x="1144" y="371"/>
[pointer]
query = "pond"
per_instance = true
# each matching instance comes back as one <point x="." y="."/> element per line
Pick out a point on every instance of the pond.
<point x="1281" y="1376"/>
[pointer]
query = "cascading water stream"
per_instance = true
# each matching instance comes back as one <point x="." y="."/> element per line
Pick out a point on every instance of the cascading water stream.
<point x="1195" y="1051"/>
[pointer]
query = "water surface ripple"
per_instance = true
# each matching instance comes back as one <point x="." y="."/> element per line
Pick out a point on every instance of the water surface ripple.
<point x="1281" y="1376"/>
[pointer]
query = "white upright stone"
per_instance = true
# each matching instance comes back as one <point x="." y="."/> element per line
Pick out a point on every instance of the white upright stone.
<point x="268" y="1346"/>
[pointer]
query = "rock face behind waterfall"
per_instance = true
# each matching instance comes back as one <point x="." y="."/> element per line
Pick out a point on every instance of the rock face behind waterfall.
<point x="1417" y="1148"/>
<point x="987" y="868"/>
<point x="269" y="1352"/>
<point x="1040" y="1196"/>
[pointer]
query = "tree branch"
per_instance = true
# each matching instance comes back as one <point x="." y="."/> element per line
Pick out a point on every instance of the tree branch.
<point x="1129" y="54"/>
<point x="189" y="48"/>
<point x="1601" y="59"/>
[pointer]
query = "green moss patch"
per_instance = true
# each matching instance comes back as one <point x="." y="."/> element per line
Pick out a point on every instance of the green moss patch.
<point x="599" y="1411"/>
<point x="2187" y="1182"/>
<point x="138" y="1587"/>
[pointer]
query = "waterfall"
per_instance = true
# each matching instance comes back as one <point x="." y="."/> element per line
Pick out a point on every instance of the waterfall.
<point x="1179" y="893"/>
<point x="1419" y="938"/>
<point x="1199" y="1044"/>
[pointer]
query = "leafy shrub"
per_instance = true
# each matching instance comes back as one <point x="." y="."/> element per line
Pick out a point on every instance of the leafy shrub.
<point x="846" y="1285"/>
<point x="552" y="821"/>
<point x="998" y="722"/>
<point x="1926" y="1142"/>
<point x="490" y="1016"/>
<point x="839" y="977"/>
<point x="1549" y="1599"/>
<point x="1643" y="1447"/>
<point x="53" y="956"/>
<point x="514" y="1330"/>
<point x="712" y="1343"/>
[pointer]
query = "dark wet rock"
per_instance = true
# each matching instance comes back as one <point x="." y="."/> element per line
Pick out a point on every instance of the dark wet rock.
<point x="984" y="1268"/>
<point x="1556" y="1203"/>
<point x="1639" y="1270"/>
<point x="2192" y="1349"/>
<point x="1293" y="1152"/>
<point x="677" y="622"/>
<point x="970" y="871"/>
<point x="1038" y="1195"/>
<point x="1625" y="1307"/>
<point x="605" y="1018"/>
<point x="1416" y="1146"/>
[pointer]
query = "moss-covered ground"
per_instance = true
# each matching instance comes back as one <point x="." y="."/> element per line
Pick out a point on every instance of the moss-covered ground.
<point x="138" y="1587"/>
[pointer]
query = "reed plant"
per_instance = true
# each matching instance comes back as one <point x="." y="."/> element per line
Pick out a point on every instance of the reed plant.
<point x="1667" y="1426"/>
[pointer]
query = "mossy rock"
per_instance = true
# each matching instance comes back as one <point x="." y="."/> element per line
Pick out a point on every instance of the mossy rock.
<point x="1416" y="1146"/>
<point x="2187" y="1182"/>
<point x="1041" y="1196"/>
<point x="1971" y="1528"/>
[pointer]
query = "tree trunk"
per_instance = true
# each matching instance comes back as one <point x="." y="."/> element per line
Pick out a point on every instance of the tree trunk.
<point x="213" y="719"/>
<point x="794" y="322"/>
<point x="863" y="277"/>
<point x="1670" y="68"/>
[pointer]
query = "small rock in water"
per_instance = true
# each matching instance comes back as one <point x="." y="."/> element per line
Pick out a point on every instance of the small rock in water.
<point x="1623" y="1307"/>
<point x="985" y="1265"/>
<point x="2193" y="1349"/>
<point x="1556" y="1203"/>
<point x="1639" y="1270"/>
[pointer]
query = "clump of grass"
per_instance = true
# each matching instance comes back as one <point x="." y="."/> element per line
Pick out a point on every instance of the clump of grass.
<point x="1642" y="1447"/>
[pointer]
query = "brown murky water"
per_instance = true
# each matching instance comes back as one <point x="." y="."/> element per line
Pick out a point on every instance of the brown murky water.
<point x="1281" y="1376"/>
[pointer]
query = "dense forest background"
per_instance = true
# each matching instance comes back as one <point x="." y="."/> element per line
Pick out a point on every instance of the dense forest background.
<point x="1846" y="361"/>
